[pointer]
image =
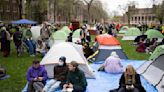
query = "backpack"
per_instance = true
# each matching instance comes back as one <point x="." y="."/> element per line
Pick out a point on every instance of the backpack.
<point x="18" y="36"/>
<point x="2" y="71"/>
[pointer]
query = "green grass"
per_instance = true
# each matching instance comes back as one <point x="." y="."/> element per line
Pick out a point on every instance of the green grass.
<point x="130" y="51"/>
<point x="17" y="66"/>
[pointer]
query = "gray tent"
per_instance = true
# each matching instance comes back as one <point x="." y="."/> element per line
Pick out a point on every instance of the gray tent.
<point x="153" y="72"/>
<point x="105" y="51"/>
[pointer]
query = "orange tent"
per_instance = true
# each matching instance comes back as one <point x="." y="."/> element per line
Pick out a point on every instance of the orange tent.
<point x="106" y="39"/>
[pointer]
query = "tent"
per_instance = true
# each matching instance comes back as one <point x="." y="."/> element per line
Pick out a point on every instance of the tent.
<point x="131" y="34"/>
<point x="123" y="29"/>
<point x="66" y="30"/>
<point x="76" y="35"/>
<point x="72" y="52"/>
<point x="35" y="32"/>
<point x="58" y="36"/>
<point x="157" y="52"/>
<point x="106" y="39"/>
<point x="107" y="44"/>
<point x="152" y="33"/>
<point x="24" y="21"/>
<point x="153" y="72"/>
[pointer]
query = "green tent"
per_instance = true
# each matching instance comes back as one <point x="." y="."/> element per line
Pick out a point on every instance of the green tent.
<point x="123" y="29"/>
<point x="76" y="33"/>
<point x="157" y="52"/>
<point x="152" y="33"/>
<point x="66" y="30"/>
<point x="59" y="35"/>
<point x="133" y="31"/>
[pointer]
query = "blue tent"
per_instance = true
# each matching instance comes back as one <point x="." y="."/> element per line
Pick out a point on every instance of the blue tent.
<point x="24" y="21"/>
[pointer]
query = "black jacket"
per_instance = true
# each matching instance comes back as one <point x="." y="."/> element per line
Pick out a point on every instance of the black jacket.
<point x="136" y="85"/>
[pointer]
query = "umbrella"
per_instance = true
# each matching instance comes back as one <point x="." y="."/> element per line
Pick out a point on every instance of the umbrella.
<point x="23" y="21"/>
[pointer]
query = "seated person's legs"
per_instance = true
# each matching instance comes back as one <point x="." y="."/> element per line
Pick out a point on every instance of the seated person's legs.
<point x="30" y="87"/>
<point x="38" y="86"/>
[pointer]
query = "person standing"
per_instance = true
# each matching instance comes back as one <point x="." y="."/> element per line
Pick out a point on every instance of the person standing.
<point x="5" y="42"/>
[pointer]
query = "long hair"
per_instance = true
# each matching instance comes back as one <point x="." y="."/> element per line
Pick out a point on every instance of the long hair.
<point x="133" y="73"/>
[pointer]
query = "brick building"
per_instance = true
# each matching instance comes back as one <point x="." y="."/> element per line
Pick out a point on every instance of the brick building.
<point x="9" y="10"/>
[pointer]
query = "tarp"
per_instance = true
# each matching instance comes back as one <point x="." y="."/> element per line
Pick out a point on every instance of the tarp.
<point x="157" y="52"/>
<point x="152" y="33"/>
<point x="24" y="21"/>
<point x="66" y="30"/>
<point x="59" y="35"/>
<point x="104" y="81"/>
<point x="106" y="39"/>
<point x="71" y="52"/>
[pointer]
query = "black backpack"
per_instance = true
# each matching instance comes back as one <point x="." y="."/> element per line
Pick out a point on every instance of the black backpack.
<point x="2" y="71"/>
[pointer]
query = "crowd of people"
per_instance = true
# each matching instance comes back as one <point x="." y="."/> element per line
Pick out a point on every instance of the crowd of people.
<point x="66" y="77"/>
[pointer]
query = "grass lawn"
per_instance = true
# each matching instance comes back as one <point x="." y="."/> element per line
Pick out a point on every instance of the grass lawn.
<point x="17" y="66"/>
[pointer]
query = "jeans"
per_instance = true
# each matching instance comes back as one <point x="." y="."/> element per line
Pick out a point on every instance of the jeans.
<point x="31" y="46"/>
<point x="51" y="85"/>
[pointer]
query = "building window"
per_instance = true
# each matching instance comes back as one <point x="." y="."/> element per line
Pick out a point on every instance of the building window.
<point x="7" y="8"/>
<point x="1" y="8"/>
<point x="138" y="18"/>
<point x="145" y="18"/>
<point x="142" y="18"/>
<point x="153" y="18"/>
<point x="14" y="1"/>
<point x="149" y="18"/>
<point x="135" y="18"/>
<point x="132" y="18"/>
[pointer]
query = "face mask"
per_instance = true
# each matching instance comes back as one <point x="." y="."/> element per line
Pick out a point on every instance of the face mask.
<point x="61" y="63"/>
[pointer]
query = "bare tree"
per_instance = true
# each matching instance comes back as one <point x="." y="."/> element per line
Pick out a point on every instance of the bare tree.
<point x="89" y="3"/>
<point x="159" y="11"/>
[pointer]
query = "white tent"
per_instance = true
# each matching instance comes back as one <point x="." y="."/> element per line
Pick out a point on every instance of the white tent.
<point x="72" y="52"/>
<point x="35" y="32"/>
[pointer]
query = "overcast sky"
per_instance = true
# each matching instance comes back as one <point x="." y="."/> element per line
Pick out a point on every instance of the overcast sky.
<point x="112" y="5"/>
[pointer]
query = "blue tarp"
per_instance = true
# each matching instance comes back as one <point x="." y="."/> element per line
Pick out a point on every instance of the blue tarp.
<point x="105" y="81"/>
<point x="24" y="21"/>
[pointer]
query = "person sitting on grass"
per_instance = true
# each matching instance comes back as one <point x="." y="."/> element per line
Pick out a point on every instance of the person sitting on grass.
<point x="36" y="76"/>
<point x="87" y="50"/>
<point x="76" y="80"/>
<point x="41" y="48"/>
<point x="130" y="81"/>
<point x="141" y="47"/>
<point x="60" y="73"/>
<point x="113" y="64"/>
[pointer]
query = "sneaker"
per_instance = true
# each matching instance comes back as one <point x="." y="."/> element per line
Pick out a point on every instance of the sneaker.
<point x="32" y="55"/>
